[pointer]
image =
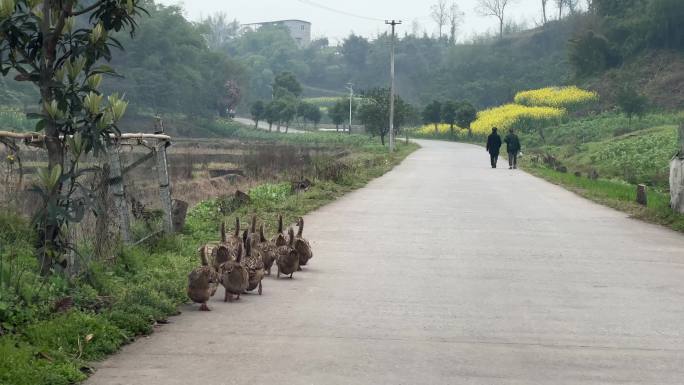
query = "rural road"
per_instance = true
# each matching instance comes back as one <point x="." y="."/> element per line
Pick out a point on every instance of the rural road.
<point x="444" y="271"/>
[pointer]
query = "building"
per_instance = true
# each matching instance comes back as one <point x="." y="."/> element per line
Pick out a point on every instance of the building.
<point x="300" y="30"/>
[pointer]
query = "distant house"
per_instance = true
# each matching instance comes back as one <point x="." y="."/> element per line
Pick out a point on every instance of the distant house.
<point x="300" y="30"/>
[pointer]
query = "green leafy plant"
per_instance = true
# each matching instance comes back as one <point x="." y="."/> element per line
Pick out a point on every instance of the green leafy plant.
<point x="75" y="116"/>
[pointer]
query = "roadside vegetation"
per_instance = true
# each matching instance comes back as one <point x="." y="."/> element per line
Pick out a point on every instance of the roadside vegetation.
<point x="53" y="327"/>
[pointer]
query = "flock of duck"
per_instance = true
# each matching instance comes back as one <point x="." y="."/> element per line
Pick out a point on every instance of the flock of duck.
<point x="239" y="262"/>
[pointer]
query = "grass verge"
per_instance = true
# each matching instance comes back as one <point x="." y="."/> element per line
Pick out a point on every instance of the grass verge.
<point x="617" y="194"/>
<point x="52" y="328"/>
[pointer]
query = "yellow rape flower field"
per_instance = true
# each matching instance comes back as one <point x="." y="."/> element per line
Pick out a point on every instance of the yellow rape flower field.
<point x="516" y="116"/>
<point x="569" y="98"/>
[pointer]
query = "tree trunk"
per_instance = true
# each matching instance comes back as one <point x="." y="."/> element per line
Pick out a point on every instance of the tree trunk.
<point x="436" y="128"/>
<point x="337" y="127"/>
<point x="382" y="139"/>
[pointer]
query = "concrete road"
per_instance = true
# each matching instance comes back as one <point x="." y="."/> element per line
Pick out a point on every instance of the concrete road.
<point x="444" y="271"/>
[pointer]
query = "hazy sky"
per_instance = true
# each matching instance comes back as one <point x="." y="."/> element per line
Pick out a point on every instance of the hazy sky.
<point x="336" y="25"/>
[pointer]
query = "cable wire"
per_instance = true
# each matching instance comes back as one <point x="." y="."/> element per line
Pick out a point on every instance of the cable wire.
<point x="335" y="10"/>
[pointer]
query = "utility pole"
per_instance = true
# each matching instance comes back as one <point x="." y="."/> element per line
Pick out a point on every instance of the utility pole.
<point x="393" y="23"/>
<point x="350" y="87"/>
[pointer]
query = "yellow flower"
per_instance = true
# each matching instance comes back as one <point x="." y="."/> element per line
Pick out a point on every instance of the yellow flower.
<point x="515" y="116"/>
<point x="570" y="98"/>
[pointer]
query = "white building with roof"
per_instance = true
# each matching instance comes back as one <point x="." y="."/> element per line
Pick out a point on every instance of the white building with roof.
<point x="300" y="30"/>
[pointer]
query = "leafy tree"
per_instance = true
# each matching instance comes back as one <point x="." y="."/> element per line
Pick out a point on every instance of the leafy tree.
<point x="313" y="114"/>
<point x="375" y="111"/>
<point x="286" y="83"/>
<point x="590" y="54"/>
<point x="309" y="112"/>
<point x="355" y="50"/>
<point x="449" y="110"/>
<point x="46" y="45"/>
<point x="339" y="112"/>
<point x="272" y="114"/>
<point x="466" y="115"/>
<point x="432" y="114"/>
<point x="258" y="112"/>
<point x="168" y="67"/>
<point x="631" y="103"/>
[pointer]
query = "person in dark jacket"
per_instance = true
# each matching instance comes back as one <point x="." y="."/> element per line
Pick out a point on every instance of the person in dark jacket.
<point x="513" y="148"/>
<point x="493" y="146"/>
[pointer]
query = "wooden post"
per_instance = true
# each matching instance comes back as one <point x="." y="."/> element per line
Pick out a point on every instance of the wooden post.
<point x="677" y="176"/>
<point x="180" y="211"/>
<point x="641" y="195"/>
<point x="164" y="185"/>
<point x="117" y="185"/>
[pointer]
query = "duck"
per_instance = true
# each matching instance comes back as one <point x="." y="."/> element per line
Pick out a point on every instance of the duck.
<point x="234" y="275"/>
<point x="254" y="263"/>
<point x="267" y="249"/>
<point x="202" y="283"/>
<point x="302" y="246"/>
<point x="231" y="244"/>
<point x="279" y="239"/>
<point x="287" y="259"/>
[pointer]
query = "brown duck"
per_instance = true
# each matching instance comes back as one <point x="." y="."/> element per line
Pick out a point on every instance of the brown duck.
<point x="202" y="283"/>
<point x="253" y="262"/>
<point x="234" y="275"/>
<point x="280" y="239"/>
<point x="302" y="246"/>
<point x="232" y="244"/>
<point x="267" y="249"/>
<point x="287" y="259"/>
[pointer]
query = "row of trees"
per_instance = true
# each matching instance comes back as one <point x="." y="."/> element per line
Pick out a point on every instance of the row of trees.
<point x="450" y="112"/>
<point x="285" y="105"/>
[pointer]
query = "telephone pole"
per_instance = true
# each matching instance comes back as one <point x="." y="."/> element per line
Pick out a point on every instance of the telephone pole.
<point x="350" y="87"/>
<point x="393" y="23"/>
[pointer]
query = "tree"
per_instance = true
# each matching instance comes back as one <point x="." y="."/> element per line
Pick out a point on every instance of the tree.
<point x="46" y="45"/>
<point x="310" y="112"/>
<point x="219" y="31"/>
<point x="631" y="102"/>
<point x="258" y="112"/>
<point x="287" y="110"/>
<point x="286" y="83"/>
<point x="440" y="14"/>
<point x="272" y="114"/>
<point x="374" y="112"/>
<point x="339" y="112"/>
<point x="496" y="8"/>
<point x="465" y="116"/>
<point x="313" y="114"/>
<point x="449" y="110"/>
<point x="544" y="18"/>
<point x="455" y="20"/>
<point x="432" y="114"/>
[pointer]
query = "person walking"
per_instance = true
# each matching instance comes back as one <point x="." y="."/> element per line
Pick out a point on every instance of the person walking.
<point x="493" y="146"/>
<point x="513" y="149"/>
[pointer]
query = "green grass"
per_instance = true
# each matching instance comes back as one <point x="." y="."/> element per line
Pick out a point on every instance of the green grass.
<point x="12" y="119"/>
<point x="120" y="298"/>
<point x="616" y="194"/>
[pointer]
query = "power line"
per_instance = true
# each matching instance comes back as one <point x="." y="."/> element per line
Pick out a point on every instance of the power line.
<point x="335" y="10"/>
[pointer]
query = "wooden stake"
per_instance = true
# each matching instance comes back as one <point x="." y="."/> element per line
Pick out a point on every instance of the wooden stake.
<point x="164" y="186"/>
<point x="118" y="192"/>
<point x="641" y="195"/>
<point x="681" y="140"/>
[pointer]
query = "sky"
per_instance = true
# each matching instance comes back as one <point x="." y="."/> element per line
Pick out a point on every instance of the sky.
<point x="338" y="24"/>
